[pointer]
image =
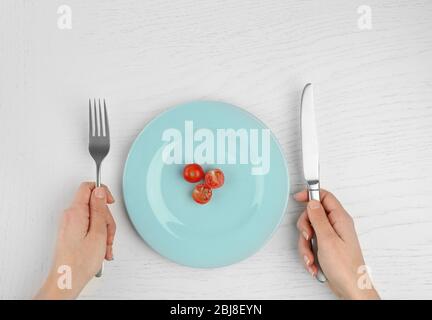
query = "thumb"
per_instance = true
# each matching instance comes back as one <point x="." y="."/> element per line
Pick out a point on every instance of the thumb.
<point x="319" y="220"/>
<point x="98" y="212"/>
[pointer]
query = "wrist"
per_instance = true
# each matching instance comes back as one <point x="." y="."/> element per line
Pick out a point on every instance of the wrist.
<point x="360" y="285"/>
<point x="363" y="294"/>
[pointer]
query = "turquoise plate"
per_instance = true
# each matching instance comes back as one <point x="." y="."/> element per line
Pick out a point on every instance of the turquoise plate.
<point x="241" y="216"/>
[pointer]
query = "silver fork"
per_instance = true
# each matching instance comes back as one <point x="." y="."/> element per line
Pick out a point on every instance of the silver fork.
<point x="99" y="141"/>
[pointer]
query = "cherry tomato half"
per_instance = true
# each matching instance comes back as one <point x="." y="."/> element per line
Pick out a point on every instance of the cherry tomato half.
<point x="193" y="173"/>
<point x="214" y="178"/>
<point x="202" y="193"/>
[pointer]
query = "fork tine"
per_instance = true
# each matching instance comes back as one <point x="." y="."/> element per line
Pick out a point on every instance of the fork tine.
<point x="96" y="123"/>
<point x="101" y="133"/>
<point x="106" y="120"/>
<point x="90" y="120"/>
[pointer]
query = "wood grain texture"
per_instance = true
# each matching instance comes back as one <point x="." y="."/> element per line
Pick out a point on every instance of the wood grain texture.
<point x="374" y="101"/>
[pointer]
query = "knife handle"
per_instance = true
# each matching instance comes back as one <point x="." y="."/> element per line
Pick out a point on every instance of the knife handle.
<point x="313" y="190"/>
<point x="314" y="194"/>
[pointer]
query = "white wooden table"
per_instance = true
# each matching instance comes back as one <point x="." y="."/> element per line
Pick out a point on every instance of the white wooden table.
<point x="374" y="101"/>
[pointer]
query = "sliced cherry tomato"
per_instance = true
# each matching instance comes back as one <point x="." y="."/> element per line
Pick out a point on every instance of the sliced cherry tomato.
<point x="214" y="178"/>
<point x="193" y="173"/>
<point x="202" y="193"/>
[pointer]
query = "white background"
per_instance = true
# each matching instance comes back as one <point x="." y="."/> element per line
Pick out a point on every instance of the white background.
<point x="374" y="112"/>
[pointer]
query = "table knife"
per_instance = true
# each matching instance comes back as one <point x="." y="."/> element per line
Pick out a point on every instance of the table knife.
<point x="310" y="156"/>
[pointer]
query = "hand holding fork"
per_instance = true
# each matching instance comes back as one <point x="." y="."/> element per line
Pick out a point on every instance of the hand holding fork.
<point x="99" y="140"/>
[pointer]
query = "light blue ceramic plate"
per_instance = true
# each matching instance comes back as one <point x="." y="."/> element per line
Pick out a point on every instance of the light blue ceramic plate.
<point x="241" y="216"/>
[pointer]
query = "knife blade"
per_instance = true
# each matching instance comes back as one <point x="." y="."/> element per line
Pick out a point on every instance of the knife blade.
<point x="310" y="156"/>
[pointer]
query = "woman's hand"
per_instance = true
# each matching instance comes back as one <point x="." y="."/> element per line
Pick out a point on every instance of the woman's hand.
<point x="339" y="251"/>
<point x="85" y="239"/>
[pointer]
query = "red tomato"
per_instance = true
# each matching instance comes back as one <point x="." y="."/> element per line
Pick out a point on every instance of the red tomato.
<point x="214" y="178"/>
<point x="193" y="173"/>
<point x="202" y="193"/>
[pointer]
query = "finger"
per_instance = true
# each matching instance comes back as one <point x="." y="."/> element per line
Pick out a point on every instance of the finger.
<point x="305" y="251"/>
<point x="301" y="196"/>
<point x="319" y="220"/>
<point x="339" y="218"/>
<point x="109" y="253"/>
<point x="98" y="212"/>
<point x="84" y="192"/>
<point x="304" y="226"/>
<point x="110" y="197"/>
<point x="313" y="270"/>
<point x="111" y="230"/>
<point x="328" y="200"/>
<point x="82" y="196"/>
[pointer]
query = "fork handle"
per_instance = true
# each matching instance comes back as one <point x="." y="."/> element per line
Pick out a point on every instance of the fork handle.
<point x="98" y="175"/>
<point x="98" y="184"/>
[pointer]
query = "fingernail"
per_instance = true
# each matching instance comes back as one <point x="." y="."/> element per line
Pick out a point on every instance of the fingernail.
<point x="306" y="260"/>
<point x="314" y="205"/>
<point x="311" y="272"/>
<point x="100" y="193"/>
<point x="305" y="235"/>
